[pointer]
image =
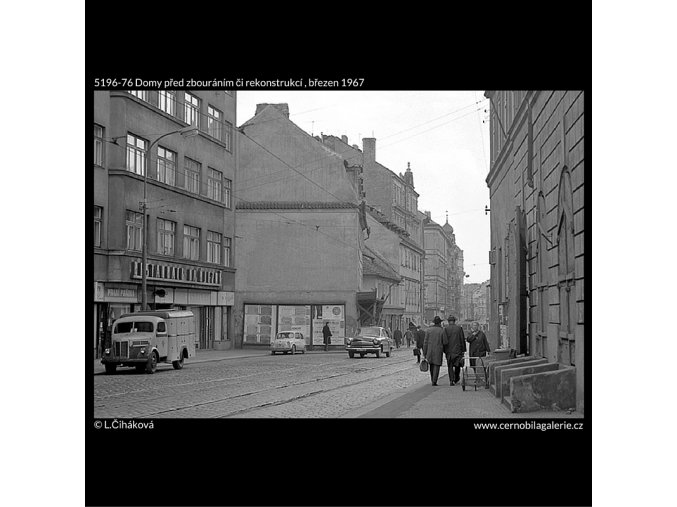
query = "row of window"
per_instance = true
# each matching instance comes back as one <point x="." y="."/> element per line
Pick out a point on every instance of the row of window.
<point x="219" y="247"/>
<point x="218" y="187"/>
<point x="403" y="198"/>
<point x="410" y="259"/>
<point x="213" y="123"/>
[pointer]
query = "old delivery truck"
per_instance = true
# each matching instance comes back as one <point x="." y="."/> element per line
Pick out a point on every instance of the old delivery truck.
<point x="144" y="339"/>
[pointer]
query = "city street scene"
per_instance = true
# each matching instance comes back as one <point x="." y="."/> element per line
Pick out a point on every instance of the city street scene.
<point x="338" y="254"/>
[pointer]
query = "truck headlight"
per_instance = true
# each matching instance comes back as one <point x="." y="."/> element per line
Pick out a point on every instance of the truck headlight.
<point x="143" y="351"/>
<point x="107" y="352"/>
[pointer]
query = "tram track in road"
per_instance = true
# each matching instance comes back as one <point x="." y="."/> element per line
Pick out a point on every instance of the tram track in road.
<point x="202" y="382"/>
<point x="365" y="373"/>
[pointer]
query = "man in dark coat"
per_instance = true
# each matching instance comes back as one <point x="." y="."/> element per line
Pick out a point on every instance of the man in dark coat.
<point x="454" y="349"/>
<point x="433" y="348"/>
<point x="479" y="346"/>
<point x="397" y="335"/>
<point x="326" y="333"/>
<point x="420" y="338"/>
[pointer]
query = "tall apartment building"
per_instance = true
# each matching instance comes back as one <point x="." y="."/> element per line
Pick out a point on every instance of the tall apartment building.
<point x="536" y="184"/>
<point x="443" y="270"/>
<point x="189" y="207"/>
<point x="394" y="200"/>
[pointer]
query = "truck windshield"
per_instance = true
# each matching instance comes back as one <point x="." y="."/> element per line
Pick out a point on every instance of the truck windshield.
<point x="138" y="327"/>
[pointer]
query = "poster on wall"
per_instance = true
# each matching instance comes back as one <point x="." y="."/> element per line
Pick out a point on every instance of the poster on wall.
<point x="334" y="315"/>
<point x="294" y="318"/>
<point x="259" y="323"/>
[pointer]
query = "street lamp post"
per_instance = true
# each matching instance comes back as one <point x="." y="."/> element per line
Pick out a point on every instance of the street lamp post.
<point x="189" y="131"/>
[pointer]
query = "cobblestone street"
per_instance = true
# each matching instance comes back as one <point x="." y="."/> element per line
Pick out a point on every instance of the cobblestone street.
<point x="303" y="385"/>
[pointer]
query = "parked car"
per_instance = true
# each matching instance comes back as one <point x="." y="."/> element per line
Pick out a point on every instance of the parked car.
<point x="288" y="341"/>
<point x="370" y="340"/>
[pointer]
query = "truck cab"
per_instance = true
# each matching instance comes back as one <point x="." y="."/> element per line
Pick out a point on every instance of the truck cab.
<point x="144" y="339"/>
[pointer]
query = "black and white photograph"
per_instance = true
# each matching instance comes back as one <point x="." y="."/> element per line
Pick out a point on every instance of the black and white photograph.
<point x="338" y="254"/>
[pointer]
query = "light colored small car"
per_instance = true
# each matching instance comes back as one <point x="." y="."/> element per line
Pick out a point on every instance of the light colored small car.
<point x="370" y="340"/>
<point x="288" y="341"/>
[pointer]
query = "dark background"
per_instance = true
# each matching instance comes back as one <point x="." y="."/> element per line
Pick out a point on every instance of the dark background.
<point x="402" y="462"/>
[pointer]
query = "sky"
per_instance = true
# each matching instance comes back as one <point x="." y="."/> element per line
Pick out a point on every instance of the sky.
<point x="444" y="135"/>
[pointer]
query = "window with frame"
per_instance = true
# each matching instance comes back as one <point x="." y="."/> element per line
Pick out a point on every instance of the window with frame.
<point x="191" y="242"/>
<point x="98" y="144"/>
<point x="136" y="154"/>
<point x="227" y="252"/>
<point x="228" y="135"/>
<point x="227" y="195"/>
<point x="167" y="101"/>
<point x="166" y="166"/>
<point x="98" y="218"/>
<point x="134" y="227"/>
<point x="166" y="232"/>
<point x="192" y="172"/>
<point x="140" y="94"/>
<point x="214" y="242"/>
<point x="191" y="111"/>
<point x="215" y="123"/>
<point x="215" y="185"/>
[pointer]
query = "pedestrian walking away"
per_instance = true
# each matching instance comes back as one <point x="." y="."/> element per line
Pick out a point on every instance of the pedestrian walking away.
<point x="433" y="348"/>
<point x="454" y="349"/>
<point x="478" y="344"/>
<point x="420" y="338"/>
<point x="397" y="335"/>
<point x="409" y="334"/>
<point x="326" y="333"/>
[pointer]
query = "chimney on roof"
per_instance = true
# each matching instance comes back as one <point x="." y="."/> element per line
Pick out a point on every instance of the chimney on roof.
<point x="356" y="147"/>
<point x="427" y="213"/>
<point x="344" y="139"/>
<point x="283" y="108"/>
<point x="369" y="150"/>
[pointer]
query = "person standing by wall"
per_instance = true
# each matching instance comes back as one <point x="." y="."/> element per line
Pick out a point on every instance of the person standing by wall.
<point x="326" y="333"/>
<point x="433" y="348"/>
<point x="454" y="349"/>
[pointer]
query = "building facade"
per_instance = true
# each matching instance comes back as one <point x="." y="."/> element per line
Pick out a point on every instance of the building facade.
<point x="301" y="230"/>
<point x="536" y="183"/>
<point x="443" y="270"/>
<point x="392" y="200"/>
<point x="189" y="215"/>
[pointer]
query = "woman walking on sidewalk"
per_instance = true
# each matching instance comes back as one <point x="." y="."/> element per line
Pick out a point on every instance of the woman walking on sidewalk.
<point x="420" y="338"/>
<point x="433" y="348"/>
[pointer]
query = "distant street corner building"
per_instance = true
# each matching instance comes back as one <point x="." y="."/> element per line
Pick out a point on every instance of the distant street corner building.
<point x="189" y="207"/>
<point x="536" y="184"/>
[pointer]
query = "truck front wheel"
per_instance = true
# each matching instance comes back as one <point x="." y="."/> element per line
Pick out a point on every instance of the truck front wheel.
<point x="151" y="365"/>
<point x="110" y="368"/>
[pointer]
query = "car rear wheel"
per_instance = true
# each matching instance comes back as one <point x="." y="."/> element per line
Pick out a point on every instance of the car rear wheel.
<point x="361" y="354"/>
<point x="272" y="352"/>
<point x="388" y="353"/>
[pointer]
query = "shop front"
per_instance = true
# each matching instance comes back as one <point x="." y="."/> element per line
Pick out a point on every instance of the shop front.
<point x="263" y="321"/>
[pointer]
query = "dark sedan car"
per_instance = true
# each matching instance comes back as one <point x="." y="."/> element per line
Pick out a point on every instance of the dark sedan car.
<point x="370" y="340"/>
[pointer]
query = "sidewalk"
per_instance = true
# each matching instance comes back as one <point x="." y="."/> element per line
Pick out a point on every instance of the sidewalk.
<point x="424" y="400"/>
<point x="203" y="356"/>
